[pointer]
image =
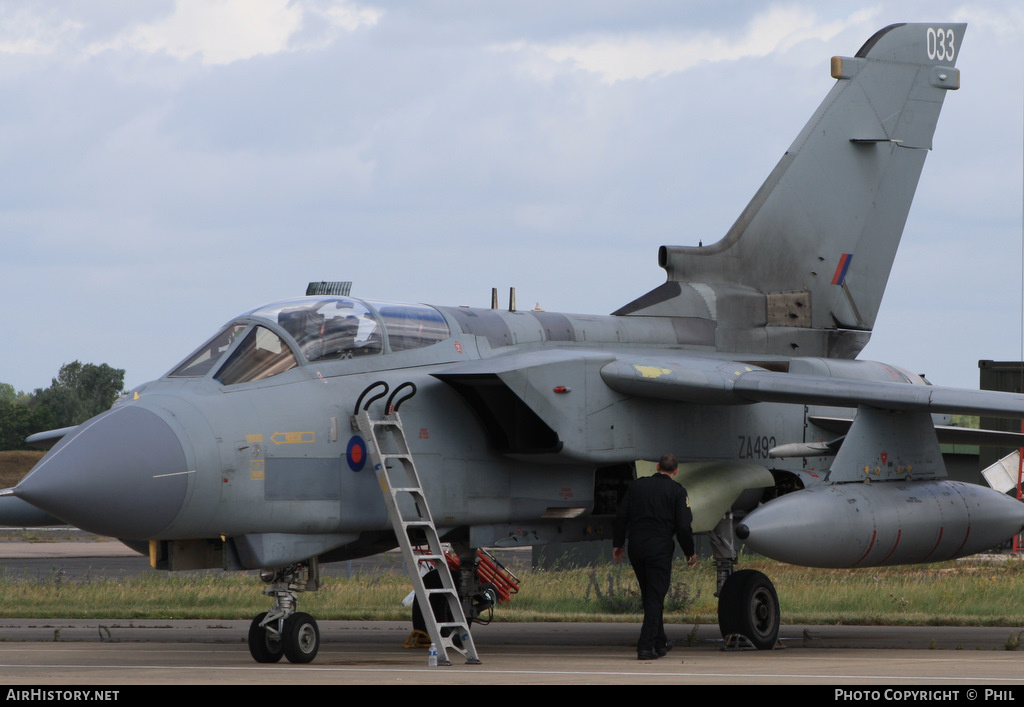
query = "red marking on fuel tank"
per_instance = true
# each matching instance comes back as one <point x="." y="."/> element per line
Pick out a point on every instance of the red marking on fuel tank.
<point x="936" y="546"/>
<point x="874" y="535"/>
<point x="961" y="547"/>
<point x="899" y="533"/>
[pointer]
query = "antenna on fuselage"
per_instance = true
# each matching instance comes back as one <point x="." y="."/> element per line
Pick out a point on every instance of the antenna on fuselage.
<point x="511" y="298"/>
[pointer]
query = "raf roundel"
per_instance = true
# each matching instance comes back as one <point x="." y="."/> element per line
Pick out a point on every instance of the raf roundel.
<point x="355" y="454"/>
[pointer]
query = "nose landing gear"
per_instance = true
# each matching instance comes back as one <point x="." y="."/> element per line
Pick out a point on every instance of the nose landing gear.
<point x="283" y="631"/>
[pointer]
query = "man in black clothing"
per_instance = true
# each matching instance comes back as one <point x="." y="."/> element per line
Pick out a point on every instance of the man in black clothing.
<point x="654" y="509"/>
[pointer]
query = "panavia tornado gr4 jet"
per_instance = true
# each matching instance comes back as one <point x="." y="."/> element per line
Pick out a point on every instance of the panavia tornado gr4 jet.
<point x="264" y="448"/>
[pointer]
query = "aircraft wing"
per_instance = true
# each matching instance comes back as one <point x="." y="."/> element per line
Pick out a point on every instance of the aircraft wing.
<point x="946" y="434"/>
<point x="573" y="404"/>
<point x="787" y="388"/>
<point x="740" y="383"/>
<point x="555" y="406"/>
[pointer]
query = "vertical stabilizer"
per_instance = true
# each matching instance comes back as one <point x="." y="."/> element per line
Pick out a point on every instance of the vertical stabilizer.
<point x="804" y="267"/>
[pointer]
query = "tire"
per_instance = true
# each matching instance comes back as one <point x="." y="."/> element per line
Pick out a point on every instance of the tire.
<point x="264" y="647"/>
<point x="301" y="638"/>
<point x="749" y="606"/>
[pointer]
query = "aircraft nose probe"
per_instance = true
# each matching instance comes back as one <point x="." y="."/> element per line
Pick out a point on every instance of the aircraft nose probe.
<point x="122" y="474"/>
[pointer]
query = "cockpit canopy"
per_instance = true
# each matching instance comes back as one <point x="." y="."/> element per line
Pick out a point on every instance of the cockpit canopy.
<point x="311" y="329"/>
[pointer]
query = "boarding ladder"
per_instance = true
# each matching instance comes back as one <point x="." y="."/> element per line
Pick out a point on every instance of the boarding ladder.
<point x="414" y="526"/>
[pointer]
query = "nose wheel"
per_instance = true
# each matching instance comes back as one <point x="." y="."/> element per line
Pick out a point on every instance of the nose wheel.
<point x="298" y="639"/>
<point x="283" y="631"/>
<point x="301" y="638"/>
<point x="265" y="645"/>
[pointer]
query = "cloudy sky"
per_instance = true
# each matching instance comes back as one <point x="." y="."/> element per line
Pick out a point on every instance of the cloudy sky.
<point x="166" y="165"/>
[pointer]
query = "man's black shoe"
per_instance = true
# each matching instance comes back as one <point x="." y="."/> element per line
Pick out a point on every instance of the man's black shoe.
<point x="662" y="651"/>
<point x="646" y="655"/>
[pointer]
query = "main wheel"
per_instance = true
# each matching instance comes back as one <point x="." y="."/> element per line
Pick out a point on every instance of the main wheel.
<point x="265" y="647"/>
<point x="488" y="595"/>
<point x="749" y="606"/>
<point x="301" y="638"/>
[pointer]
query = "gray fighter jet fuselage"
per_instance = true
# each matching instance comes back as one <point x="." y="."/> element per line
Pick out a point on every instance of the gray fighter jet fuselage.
<point x="514" y="424"/>
<point x="527" y="426"/>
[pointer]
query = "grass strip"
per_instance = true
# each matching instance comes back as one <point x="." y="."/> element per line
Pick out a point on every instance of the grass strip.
<point x="964" y="593"/>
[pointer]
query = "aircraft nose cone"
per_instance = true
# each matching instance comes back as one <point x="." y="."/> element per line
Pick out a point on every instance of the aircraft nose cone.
<point x="119" y="474"/>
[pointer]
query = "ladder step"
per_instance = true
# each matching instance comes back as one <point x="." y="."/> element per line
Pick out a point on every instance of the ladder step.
<point x="442" y="590"/>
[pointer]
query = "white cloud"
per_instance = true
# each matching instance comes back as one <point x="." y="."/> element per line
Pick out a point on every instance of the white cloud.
<point x="640" y="56"/>
<point x="349" y="17"/>
<point x="1003" y="21"/>
<point x="221" y="31"/>
<point x="23" y="31"/>
<point x="225" y="31"/>
<point x="414" y="147"/>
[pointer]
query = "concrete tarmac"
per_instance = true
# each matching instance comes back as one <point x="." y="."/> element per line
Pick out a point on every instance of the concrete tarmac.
<point x="111" y="652"/>
<point x="79" y="652"/>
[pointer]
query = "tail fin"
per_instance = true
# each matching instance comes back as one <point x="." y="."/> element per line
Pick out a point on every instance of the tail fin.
<point x="805" y="265"/>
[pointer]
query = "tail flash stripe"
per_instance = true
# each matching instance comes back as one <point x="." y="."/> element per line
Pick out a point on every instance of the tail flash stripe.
<point x="844" y="265"/>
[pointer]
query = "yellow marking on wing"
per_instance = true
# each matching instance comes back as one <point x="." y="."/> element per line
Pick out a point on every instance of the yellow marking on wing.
<point x="652" y="371"/>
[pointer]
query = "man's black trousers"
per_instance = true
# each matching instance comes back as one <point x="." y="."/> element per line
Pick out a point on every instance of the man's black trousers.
<point x="652" y="562"/>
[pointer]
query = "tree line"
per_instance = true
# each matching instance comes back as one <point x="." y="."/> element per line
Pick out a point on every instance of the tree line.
<point x="80" y="391"/>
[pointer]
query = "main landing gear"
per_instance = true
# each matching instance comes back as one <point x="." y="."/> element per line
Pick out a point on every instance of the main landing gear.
<point x="283" y="631"/>
<point x="748" y="606"/>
